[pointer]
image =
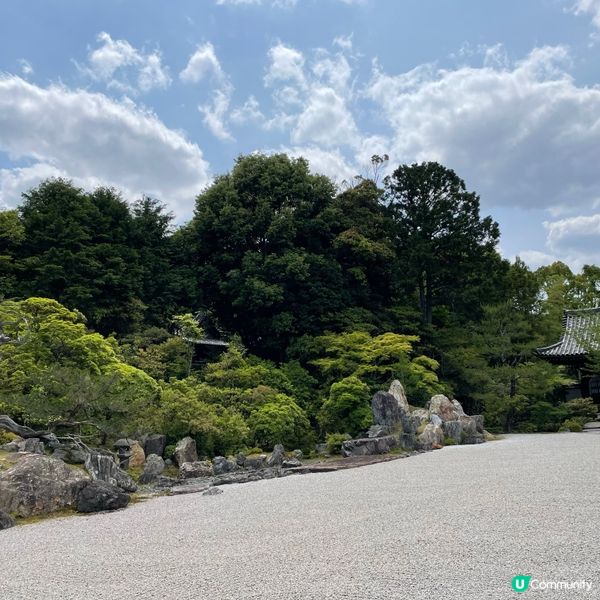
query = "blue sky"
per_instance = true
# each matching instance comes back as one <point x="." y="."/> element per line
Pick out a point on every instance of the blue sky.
<point x="157" y="97"/>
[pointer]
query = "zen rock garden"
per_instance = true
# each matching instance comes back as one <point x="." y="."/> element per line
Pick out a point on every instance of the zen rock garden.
<point x="42" y="475"/>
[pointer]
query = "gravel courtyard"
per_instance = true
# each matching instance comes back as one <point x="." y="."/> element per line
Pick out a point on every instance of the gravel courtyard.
<point x="455" y="523"/>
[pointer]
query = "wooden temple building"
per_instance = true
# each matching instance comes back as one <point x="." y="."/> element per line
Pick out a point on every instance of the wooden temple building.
<point x="580" y="331"/>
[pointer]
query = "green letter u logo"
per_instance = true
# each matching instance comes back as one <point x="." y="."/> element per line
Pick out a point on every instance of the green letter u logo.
<point x="520" y="583"/>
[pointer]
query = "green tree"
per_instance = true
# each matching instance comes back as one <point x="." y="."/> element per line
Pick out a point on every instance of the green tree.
<point x="442" y="242"/>
<point x="348" y="408"/>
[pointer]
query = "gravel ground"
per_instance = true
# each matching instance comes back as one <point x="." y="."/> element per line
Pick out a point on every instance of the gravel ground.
<point x="455" y="523"/>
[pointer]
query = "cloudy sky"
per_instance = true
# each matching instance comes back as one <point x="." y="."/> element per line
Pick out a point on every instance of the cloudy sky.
<point x="157" y="97"/>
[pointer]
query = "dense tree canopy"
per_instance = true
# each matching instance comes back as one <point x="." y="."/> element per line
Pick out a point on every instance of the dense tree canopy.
<point x="323" y="295"/>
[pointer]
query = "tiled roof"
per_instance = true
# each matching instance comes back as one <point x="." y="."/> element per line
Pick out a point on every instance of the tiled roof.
<point x="579" y="330"/>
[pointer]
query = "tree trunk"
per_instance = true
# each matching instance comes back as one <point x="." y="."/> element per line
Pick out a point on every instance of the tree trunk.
<point x="25" y="432"/>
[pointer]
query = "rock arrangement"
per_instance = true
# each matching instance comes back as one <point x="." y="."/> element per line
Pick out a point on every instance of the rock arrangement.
<point x="89" y="480"/>
<point x="396" y="425"/>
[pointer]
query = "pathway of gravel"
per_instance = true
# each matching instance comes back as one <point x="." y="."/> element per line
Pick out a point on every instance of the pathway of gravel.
<point x="457" y="523"/>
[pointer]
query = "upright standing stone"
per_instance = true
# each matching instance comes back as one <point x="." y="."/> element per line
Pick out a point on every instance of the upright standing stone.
<point x="397" y="390"/>
<point x="185" y="451"/>
<point x="386" y="410"/>
<point x="155" y="444"/>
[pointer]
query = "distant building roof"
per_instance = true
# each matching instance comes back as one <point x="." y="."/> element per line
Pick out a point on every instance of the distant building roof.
<point x="578" y="332"/>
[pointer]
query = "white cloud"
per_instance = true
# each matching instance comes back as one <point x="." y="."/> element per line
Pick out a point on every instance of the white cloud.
<point x="249" y="112"/>
<point x="535" y="258"/>
<point x="121" y="66"/>
<point x="26" y="68"/>
<point x="215" y="114"/>
<point x="324" y="162"/>
<point x="589" y="7"/>
<point x="523" y="135"/>
<point x="201" y="64"/>
<point x="92" y="138"/>
<point x="325" y="120"/>
<point x="286" y="65"/>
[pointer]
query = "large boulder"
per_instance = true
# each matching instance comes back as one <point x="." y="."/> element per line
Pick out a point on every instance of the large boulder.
<point x="102" y="467"/>
<point x="397" y="390"/>
<point x="6" y="521"/>
<point x="200" y="468"/>
<point x="472" y="430"/>
<point x="70" y="454"/>
<point x="155" y="444"/>
<point x="97" y="496"/>
<point x="431" y="437"/>
<point x="386" y="410"/>
<point x="276" y="457"/>
<point x="185" y="451"/>
<point x="368" y="446"/>
<point x="39" y="485"/>
<point x="138" y="456"/>
<point x="445" y="408"/>
<point x="153" y="467"/>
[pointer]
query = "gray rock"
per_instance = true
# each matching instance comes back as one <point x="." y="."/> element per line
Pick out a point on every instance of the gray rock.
<point x="376" y="431"/>
<point x="258" y="461"/>
<point x="386" y="410"/>
<point x="431" y="437"/>
<point x="10" y="447"/>
<point x="397" y="390"/>
<point x="453" y="429"/>
<point x="221" y="465"/>
<point x="155" y="444"/>
<point x="33" y="445"/>
<point x="103" y="468"/>
<point x="154" y="467"/>
<point x="73" y="456"/>
<point x="39" y="485"/>
<point x="276" y="457"/>
<point x="436" y="420"/>
<point x="290" y="463"/>
<point x="185" y="451"/>
<point x="240" y="459"/>
<point x="369" y="446"/>
<point x="408" y="441"/>
<point x="6" y="521"/>
<point x="298" y="454"/>
<point x="98" y="496"/>
<point x="200" y="468"/>
<point x="212" y="491"/>
<point x="471" y="434"/>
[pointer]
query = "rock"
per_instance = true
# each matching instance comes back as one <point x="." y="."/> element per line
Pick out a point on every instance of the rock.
<point x="185" y="451"/>
<point x="213" y="491"/>
<point x="436" y="420"/>
<point x="10" y="447"/>
<point x="376" y="431"/>
<point x="103" y="468"/>
<point x="441" y="406"/>
<point x="453" y="429"/>
<point x="98" y="496"/>
<point x="221" y="465"/>
<point x="73" y="456"/>
<point x="276" y="457"/>
<point x="257" y="461"/>
<point x="397" y="390"/>
<point x="138" y="457"/>
<point x="472" y="430"/>
<point x="408" y="441"/>
<point x="321" y="449"/>
<point x="369" y="446"/>
<point x="386" y="410"/>
<point x="39" y="485"/>
<point x="6" y="521"/>
<point x="168" y="462"/>
<point x="200" y="468"/>
<point x="432" y="435"/>
<point x="290" y="463"/>
<point x="155" y="444"/>
<point x="459" y="408"/>
<point x="298" y="454"/>
<point x="154" y="467"/>
<point x="33" y="445"/>
<point x="240" y="459"/>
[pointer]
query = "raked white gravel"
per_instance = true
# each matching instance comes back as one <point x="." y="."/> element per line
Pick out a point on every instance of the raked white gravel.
<point x="457" y="523"/>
